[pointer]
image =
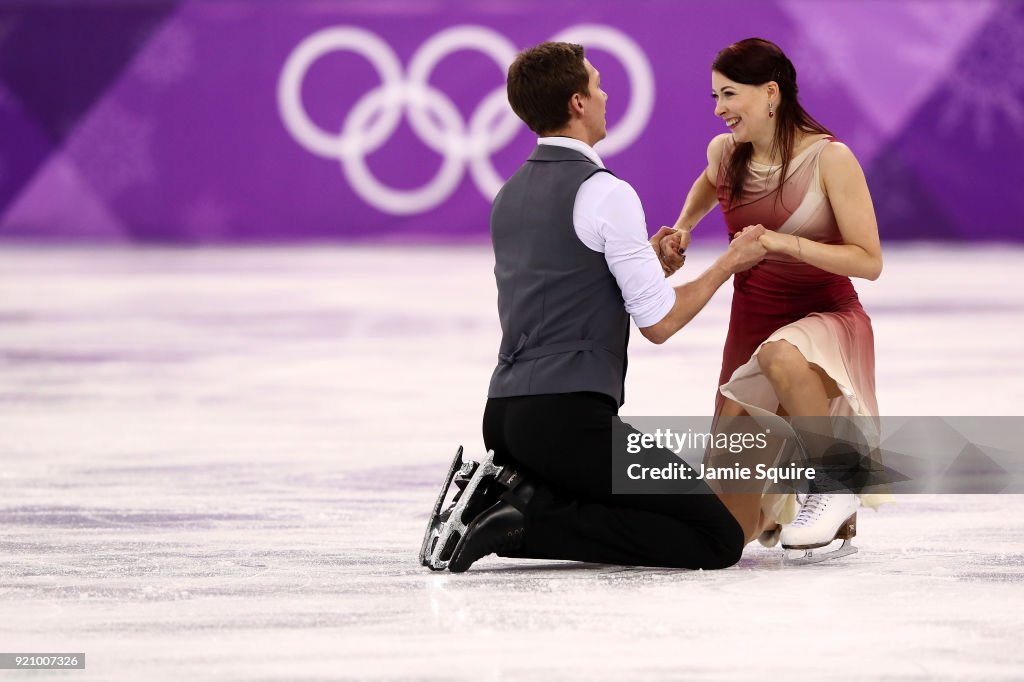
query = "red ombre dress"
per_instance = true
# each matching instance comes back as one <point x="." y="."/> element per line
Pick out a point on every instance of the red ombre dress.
<point x="784" y="298"/>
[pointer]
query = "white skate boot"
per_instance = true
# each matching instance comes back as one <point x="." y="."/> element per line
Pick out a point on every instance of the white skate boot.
<point x="821" y="520"/>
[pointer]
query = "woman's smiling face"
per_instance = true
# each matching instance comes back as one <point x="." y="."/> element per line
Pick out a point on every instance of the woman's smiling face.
<point x="744" y="108"/>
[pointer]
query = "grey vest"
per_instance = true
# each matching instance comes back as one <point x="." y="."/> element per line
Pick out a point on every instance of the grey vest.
<point x="563" y="322"/>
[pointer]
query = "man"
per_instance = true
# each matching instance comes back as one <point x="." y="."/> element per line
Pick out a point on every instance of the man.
<point x="572" y="264"/>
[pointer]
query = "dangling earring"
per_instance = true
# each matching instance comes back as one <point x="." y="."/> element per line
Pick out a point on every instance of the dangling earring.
<point x="771" y="114"/>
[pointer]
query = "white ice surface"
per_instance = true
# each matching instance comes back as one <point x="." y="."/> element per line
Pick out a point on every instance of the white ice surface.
<point x="217" y="464"/>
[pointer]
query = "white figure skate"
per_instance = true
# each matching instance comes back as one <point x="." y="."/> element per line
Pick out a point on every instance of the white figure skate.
<point x="821" y="520"/>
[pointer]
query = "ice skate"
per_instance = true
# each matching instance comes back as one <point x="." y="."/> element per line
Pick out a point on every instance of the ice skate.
<point x="478" y="487"/>
<point x="498" y="530"/>
<point x="436" y="516"/>
<point x="822" y="520"/>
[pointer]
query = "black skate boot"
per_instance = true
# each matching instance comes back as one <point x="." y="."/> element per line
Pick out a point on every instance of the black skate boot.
<point x="500" y="529"/>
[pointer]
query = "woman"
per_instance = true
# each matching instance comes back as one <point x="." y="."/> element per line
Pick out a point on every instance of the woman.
<point x="799" y="342"/>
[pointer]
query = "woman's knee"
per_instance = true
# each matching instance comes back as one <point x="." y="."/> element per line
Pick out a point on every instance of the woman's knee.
<point x="780" y="360"/>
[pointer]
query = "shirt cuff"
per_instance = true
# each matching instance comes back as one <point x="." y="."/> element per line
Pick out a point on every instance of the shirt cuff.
<point x="657" y="312"/>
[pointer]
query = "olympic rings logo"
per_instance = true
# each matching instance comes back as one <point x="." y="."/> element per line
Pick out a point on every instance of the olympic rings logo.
<point x="432" y="114"/>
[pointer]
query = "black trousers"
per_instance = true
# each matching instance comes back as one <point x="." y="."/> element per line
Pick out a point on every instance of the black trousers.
<point x="563" y="444"/>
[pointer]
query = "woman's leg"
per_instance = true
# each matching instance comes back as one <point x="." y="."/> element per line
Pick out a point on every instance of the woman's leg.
<point x="804" y="391"/>
<point x="748" y="508"/>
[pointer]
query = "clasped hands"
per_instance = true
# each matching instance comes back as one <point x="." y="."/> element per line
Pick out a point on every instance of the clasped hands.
<point x="746" y="249"/>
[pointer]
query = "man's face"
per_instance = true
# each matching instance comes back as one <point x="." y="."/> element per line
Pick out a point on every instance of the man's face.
<point x="594" y="107"/>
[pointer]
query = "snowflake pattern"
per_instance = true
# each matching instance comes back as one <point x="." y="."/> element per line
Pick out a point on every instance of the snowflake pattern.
<point x="987" y="87"/>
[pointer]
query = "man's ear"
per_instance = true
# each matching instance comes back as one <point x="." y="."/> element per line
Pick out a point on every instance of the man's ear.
<point x="576" y="104"/>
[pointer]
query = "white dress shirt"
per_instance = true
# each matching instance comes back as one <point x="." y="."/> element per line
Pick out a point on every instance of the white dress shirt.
<point x="609" y="219"/>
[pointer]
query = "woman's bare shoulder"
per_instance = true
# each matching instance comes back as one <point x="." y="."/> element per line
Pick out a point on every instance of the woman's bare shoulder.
<point x="718" y="146"/>
<point x="719" y="143"/>
<point x="837" y="157"/>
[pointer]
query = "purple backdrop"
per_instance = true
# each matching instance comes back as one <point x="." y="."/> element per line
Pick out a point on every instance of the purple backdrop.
<point x="231" y="121"/>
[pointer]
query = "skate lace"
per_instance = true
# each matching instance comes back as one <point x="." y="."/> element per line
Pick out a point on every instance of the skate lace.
<point x="812" y="509"/>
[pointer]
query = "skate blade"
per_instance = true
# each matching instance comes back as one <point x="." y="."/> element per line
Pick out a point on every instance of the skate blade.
<point x="809" y="556"/>
<point x="451" y="531"/>
<point x="434" y="523"/>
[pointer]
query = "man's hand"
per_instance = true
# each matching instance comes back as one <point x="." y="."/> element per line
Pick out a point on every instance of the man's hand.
<point x="670" y="245"/>
<point x="745" y="251"/>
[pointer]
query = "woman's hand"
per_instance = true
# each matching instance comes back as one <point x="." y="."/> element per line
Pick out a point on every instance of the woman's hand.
<point x="669" y="244"/>
<point x="673" y="249"/>
<point x="773" y="242"/>
<point x="684" y="239"/>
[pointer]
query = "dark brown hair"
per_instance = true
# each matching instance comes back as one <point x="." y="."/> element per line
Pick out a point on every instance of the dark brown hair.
<point x="756" y="61"/>
<point x="541" y="81"/>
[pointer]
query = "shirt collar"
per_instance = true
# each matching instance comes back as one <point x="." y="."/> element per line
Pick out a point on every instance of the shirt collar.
<point x="574" y="144"/>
